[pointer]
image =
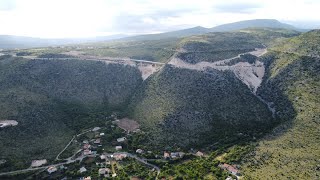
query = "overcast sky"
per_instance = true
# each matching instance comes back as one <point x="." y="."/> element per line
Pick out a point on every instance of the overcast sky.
<point x="87" y="18"/>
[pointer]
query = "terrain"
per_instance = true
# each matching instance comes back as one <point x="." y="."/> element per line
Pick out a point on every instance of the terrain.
<point x="247" y="97"/>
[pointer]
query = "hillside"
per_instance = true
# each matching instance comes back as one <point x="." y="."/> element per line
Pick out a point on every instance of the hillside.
<point x="217" y="46"/>
<point x="292" y="82"/>
<point x="187" y="108"/>
<point x="54" y="99"/>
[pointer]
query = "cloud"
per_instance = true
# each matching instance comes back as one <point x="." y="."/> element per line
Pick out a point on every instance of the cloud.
<point x="7" y="5"/>
<point x="238" y="7"/>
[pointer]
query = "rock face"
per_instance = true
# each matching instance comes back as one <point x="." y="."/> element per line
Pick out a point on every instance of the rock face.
<point x="250" y="74"/>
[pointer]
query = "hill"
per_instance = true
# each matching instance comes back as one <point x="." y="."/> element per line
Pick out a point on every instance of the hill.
<point x="292" y="82"/>
<point x="188" y="108"/>
<point x="12" y="42"/>
<point x="255" y="23"/>
<point x="172" y="34"/>
<point x="54" y="99"/>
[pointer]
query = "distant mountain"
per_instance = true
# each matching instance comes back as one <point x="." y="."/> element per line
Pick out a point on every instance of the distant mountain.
<point x="11" y="42"/>
<point x="256" y="23"/>
<point x="172" y="34"/>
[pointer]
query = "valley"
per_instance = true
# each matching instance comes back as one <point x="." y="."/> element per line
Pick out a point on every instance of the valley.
<point x="239" y="104"/>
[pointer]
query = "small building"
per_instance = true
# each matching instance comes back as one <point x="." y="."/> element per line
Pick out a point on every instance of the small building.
<point x="102" y="157"/>
<point x="139" y="151"/>
<point x="199" y="153"/>
<point x="232" y="169"/>
<point x="87" y="178"/>
<point x="96" y="129"/>
<point x="121" y="139"/>
<point x="166" y="155"/>
<point x="97" y="141"/>
<point x="86" y="146"/>
<point x="87" y="152"/>
<point x="85" y="142"/>
<point x="118" y="148"/>
<point x="103" y="171"/>
<point x="119" y="156"/>
<point x="52" y="169"/>
<point x="101" y="134"/>
<point x="82" y="170"/>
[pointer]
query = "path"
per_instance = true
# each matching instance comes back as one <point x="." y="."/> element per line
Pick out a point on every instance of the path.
<point x="144" y="161"/>
<point x="38" y="168"/>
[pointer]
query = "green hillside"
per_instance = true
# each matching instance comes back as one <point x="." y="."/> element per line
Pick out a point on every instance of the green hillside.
<point x="292" y="83"/>
<point x="52" y="100"/>
<point x="187" y="108"/>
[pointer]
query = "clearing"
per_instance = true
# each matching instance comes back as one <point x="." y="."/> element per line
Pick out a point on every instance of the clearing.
<point x="128" y="125"/>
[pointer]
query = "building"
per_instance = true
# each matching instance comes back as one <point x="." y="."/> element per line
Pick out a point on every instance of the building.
<point x="102" y="157"/>
<point x="232" y="169"/>
<point x="103" y="171"/>
<point x="82" y="170"/>
<point x="118" y="148"/>
<point x="96" y="129"/>
<point x="121" y="139"/>
<point x="52" y="169"/>
<point x="199" y="153"/>
<point x="101" y="134"/>
<point x="97" y="141"/>
<point x="166" y="155"/>
<point x="86" y="146"/>
<point x="119" y="156"/>
<point x="139" y="151"/>
<point x="87" y="152"/>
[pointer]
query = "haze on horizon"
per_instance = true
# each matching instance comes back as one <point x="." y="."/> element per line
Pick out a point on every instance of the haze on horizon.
<point x="89" y="18"/>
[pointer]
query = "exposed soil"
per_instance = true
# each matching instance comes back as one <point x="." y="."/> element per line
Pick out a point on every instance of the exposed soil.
<point x="128" y="125"/>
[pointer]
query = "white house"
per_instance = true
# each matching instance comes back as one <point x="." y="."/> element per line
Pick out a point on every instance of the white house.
<point x="118" y="148"/>
<point x="52" y="169"/>
<point x="121" y="139"/>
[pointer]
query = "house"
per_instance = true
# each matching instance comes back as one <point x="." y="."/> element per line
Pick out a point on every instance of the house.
<point x="86" y="146"/>
<point x="52" y="169"/>
<point x="121" y="139"/>
<point x="102" y="157"/>
<point x="82" y="169"/>
<point x="166" y="155"/>
<point x="232" y="169"/>
<point x="96" y="129"/>
<point x="119" y="156"/>
<point x="118" y="148"/>
<point x="140" y="151"/>
<point x="103" y="171"/>
<point x="199" y="153"/>
<point x="87" y="152"/>
<point x="97" y="141"/>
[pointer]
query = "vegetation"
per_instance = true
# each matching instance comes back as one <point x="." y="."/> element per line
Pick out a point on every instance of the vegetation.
<point x="186" y="108"/>
<point x="52" y="100"/>
<point x="292" y="83"/>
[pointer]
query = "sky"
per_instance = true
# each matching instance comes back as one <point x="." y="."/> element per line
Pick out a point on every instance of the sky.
<point x="89" y="18"/>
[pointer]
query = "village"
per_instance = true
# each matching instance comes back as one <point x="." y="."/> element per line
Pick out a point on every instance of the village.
<point x="104" y="153"/>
